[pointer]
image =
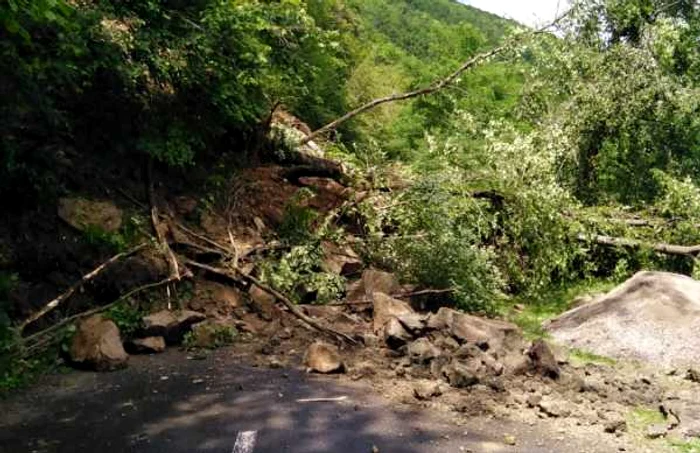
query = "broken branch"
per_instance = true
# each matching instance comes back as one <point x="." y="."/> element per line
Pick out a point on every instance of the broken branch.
<point x="93" y="311"/>
<point x="77" y="285"/>
<point x="240" y="275"/>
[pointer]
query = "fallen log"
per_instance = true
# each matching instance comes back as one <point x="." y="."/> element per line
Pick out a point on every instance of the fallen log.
<point x="660" y="247"/>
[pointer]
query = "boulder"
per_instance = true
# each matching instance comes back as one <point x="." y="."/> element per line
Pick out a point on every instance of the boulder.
<point x="653" y="317"/>
<point x="97" y="345"/>
<point x="323" y="358"/>
<point x="83" y="214"/>
<point x="422" y="351"/>
<point x="149" y="345"/>
<point x="171" y="325"/>
<point x="395" y="335"/>
<point x="386" y="307"/>
<point x="542" y="360"/>
<point x="340" y="260"/>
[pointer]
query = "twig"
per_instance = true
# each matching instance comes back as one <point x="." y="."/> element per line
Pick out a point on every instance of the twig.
<point x="73" y="288"/>
<point x="336" y="399"/>
<point x="239" y="275"/>
<point x="93" y="311"/>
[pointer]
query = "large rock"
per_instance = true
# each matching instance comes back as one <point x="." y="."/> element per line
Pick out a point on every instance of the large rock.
<point x="654" y="316"/>
<point x="323" y="358"/>
<point x="97" y="345"/>
<point x="385" y="307"/>
<point x="149" y="345"/>
<point x="83" y="214"/>
<point x="484" y="333"/>
<point x="171" y="325"/>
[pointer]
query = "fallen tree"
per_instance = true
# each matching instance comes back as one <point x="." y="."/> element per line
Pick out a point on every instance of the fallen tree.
<point x="660" y="247"/>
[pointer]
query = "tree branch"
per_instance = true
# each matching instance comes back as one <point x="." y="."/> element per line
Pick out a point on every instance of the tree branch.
<point x="660" y="247"/>
<point x="435" y="86"/>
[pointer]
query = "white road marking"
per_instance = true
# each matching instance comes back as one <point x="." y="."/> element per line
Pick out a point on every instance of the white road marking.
<point x="245" y="442"/>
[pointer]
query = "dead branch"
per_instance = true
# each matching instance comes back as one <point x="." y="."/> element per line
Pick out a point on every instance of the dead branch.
<point x="96" y="310"/>
<point x="660" y="247"/>
<point x="77" y="285"/>
<point x="435" y="86"/>
<point x="155" y="220"/>
<point x="238" y="275"/>
<point x="367" y="301"/>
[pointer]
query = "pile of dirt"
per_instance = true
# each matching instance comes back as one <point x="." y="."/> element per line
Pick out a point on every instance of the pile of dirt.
<point x="653" y="317"/>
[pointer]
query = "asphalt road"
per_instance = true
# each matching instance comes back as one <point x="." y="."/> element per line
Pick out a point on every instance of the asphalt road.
<point x="169" y="404"/>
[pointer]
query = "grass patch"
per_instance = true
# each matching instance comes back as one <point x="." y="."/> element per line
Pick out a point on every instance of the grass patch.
<point x="691" y="446"/>
<point x="551" y="303"/>
<point x="581" y="357"/>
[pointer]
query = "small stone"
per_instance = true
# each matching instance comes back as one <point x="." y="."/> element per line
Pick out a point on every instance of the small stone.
<point x="656" y="431"/>
<point x="509" y="439"/>
<point x="426" y="391"/>
<point x="324" y="358"/>
<point x="422" y="351"/>
<point x="615" y="425"/>
<point x="275" y="364"/>
<point x="693" y="375"/>
<point x="533" y="400"/>
<point x="554" y="409"/>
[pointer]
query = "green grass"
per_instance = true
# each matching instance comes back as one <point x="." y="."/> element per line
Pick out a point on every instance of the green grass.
<point x="550" y="304"/>
<point x="691" y="446"/>
<point x="581" y="357"/>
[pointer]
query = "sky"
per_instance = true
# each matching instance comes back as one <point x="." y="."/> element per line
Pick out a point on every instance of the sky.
<point x="527" y="12"/>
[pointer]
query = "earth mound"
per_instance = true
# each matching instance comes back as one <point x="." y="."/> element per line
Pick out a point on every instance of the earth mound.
<point x="654" y="317"/>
